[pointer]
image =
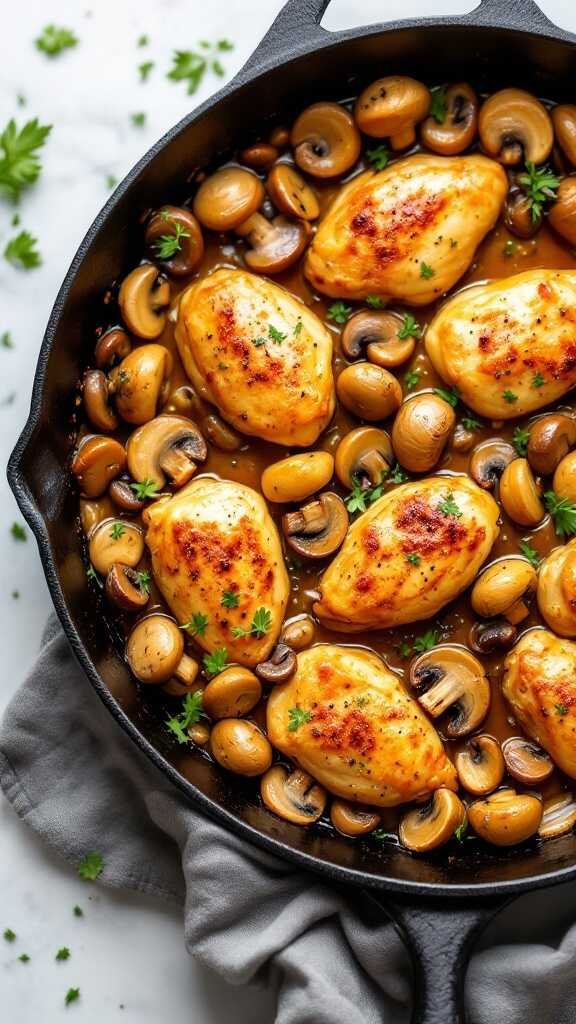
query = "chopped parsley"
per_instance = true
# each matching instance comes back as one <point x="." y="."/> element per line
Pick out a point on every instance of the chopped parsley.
<point x="91" y="867"/>
<point x="111" y="181"/>
<point x="460" y="832"/>
<point x="381" y="834"/>
<point x="142" y="41"/>
<point x="21" y="251"/>
<point x="298" y="329"/>
<point x="426" y="270"/>
<point x="360" y="497"/>
<point x="404" y="650"/>
<point x="144" y="579"/>
<point x="448" y="507"/>
<point x="191" y="67"/>
<point x="529" y="553"/>
<point x="54" y="40"/>
<point x="78" y="912"/>
<point x="510" y="248"/>
<point x="92" y="575"/>
<point x="538" y="380"/>
<point x="215" y="662"/>
<point x="18" y="532"/>
<point x="230" y="599"/>
<point x="9" y="935"/>
<point x="145" y="489"/>
<point x="509" y="396"/>
<point x="379" y="157"/>
<point x="19" y="161"/>
<point x="257" y="342"/>
<point x="450" y="395"/>
<point x="398" y="476"/>
<point x="409" y="328"/>
<point x="469" y="422"/>
<point x="63" y="954"/>
<point x="72" y="995"/>
<point x="411" y="379"/>
<point x="145" y="69"/>
<point x="413" y="558"/>
<point x="197" y="625"/>
<point x="426" y="642"/>
<point x="374" y="302"/>
<point x="24" y="958"/>
<point x="563" y="513"/>
<point x="339" y="312"/>
<point x="438" y="107"/>
<point x="138" y="119"/>
<point x="561" y="710"/>
<point x="6" y="340"/>
<point x="117" y="530"/>
<point x="520" y="439"/>
<point x="189" y="715"/>
<point x="540" y="185"/>
<point x="297" y="717"/>
<point x="167" y="246"/>
<point x="275" y="335"/>
<point x="261" y="623"/>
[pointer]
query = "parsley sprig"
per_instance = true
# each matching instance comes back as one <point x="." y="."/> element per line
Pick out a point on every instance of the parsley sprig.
<point x="215" y="662"/>
<point x="410" y="328"/>
<point x="540" y="185"/>
<point x="19" y="161"/>
<point x="297" y="717"/>
<point x="189" y="715"/>
<point x="520" y="439"/>
<point x="21" y="251"/>
<point x="438" y="107"/>
<point x="448" y="506"/>
<point x="379" y="157"/>
<point x="450" y="395"/>
<point x="426" y="642"/>
<point x="54" y="40"/>
<point x="339" y="312"/>
<point x="261" y="623"/>
<point x="563" y="513"/>
<point x="145" y="489"/>
<point x="229" y="599"/>
<point x="91" y="867"/>
<point x="361" y="496"/>
<point x="166" y="246"/>
<point x="197" y="625"/>
<point x="528" y="551"/>
<point x="191" y="66"/>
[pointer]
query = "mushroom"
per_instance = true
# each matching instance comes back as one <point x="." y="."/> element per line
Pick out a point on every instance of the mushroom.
<point x="519" y="215"/>
<point x="364" y="455"/>
<point x="298" y="633"/>
<point x="241" y="747"/>
<point x="317" y="529"/>
<point x="488" y="637"/>
<point x="562" y="213"/>
<point x="93" y="511"/>
<point x="155" y="652"/>
<point x="294" y="796"/>
<point x="96" y="395"/>
<point x="391" y="108"/>
<point x="480" y="765"/>
<point x="352" y="820"/>
<point x="421" y="431"/>
<point x="115" y="540"/>
<point x="325" y="139"/>
<point x="140" y="381"/>
<point x="551" y="438"/>
<point x="126" y="588"/>
<point x="489" y="460"/>
<point x="187" y="248"/>
<point x="505" y="588"/>
<point x="228" y="198"/>
<point x="198" y="732"/>
<point x="564" y="121"/>
<point x="462" y="439"/>
<point x="458" y="129"/>
<point x="505" y="818"/>
<point x="124" y="496"/>
<point x="280" y="137"/>
<point x="167" y="446"/>
<point x="515" y="128"/>
<point x="526" y="761"/>
<point x="280" y="666"/>
<point x="564" y="479"/>
<point x="378" y="334"/>
<point x="274" y="244"/>
<point x="97" y="461"/>
<point x="520" y="495"/>
<point x="111" y="348"/>
<point x="369" y="391"/>
<point x="144" y="298"/>
<point x="232" y="693"/>
<point x="220" y="433"/>
<point x="450" y="679"/>
<point x="558" y="817"/>
<point x="260" y="155"/>
<point x="291" y="194"/>
<point x="425" y="828"/>
<point x="185" y="402"/>
<point x="297" y="477"/>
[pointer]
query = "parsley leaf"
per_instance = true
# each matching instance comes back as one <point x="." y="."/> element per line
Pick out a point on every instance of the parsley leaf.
<point x="117" y="530"/>
<point x="509" y="396"/>
<point x="143" y="41"/>
<point x="438" y="107"/>
<point x="460" y="832"/>
<point x="91" y="867"/>
<point x="145" y="69"/>
<point x="339" y="312"/>
<point x="145" y="489"/>
<point x="72" y="995"/>
<point x="9" y="935"/>
<point x="360" y="495"/>
<point x="21" y="251"/>
<point x="230" y="599"/>
<point x="529" y="553"/>
<point x="381" y="834"/>
<point x="520" y="439"/>
<point x="398" y="476"/>
<point x="139" y="119"/>
<point x="378" y="157"/>
<point x="63" y="954"/>
<point x="191" y="67"/>
<point x="413" y="558"/>
<point x="189" y="715"/>
<point x="197" y="625"/>
<point x="78" y="912"/>
<point x="297" y="717"/>
<point x="18" y="532"/>
<point x="143" y="583"/>
<point x="54" y="40"/>
<point x="426" y="270"/>
<point x="24" y="958"/>
<point x="19" y="162"/>
<point x="91" y="574"/>
<point x="261" y="623"/>
<point x="374" y="302"/>
<point x="563" y="513"/>
<point x="411" y="379"/>
<point x="448" y="507"/>
<point x="215" y="662"/>
<point x="167" y="246"/>
<point x="450" y="395"/>
<point x="426" y="642"/>
<point x="6" y="340"/>
<point x="111" y="181"/>
<point x="540" y="185"/>
<point x="469" y="422"/>
<point x="561" y="710"/>
<point x="538" y="380"/>
<point x="409" y="328"/>
<point x="275" y="335"/>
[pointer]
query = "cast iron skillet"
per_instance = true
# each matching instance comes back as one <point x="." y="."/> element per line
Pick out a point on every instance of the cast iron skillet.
<point x="439" y="906"/>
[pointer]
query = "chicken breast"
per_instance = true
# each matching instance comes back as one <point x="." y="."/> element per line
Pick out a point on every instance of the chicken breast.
<point x="408" y="232"/>
<point x="360" y="734"/>
<point x="259" y="355"/>
<point x="540" y="686"/>
<point x="214" y="538"/>
<point x="509" y="346"/>
<point x="412" y="552"/>
<point x="556" y="592"/>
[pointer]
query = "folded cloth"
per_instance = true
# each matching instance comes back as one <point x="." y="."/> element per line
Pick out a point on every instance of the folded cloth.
<point x="328" y="952"/>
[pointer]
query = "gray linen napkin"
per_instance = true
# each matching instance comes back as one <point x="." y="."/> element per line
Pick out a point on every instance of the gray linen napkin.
<point x="327" y="953"/>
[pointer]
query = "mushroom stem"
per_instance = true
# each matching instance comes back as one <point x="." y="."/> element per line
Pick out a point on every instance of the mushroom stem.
<point x="442" y="695"/>
<point x="178" y="465"/>
<point x="517" y="612"/>
<point x="257" y="229"/>
<point x="374" y="465"/>
<point x="186" y="670"/>
<point x="310" y="519"/>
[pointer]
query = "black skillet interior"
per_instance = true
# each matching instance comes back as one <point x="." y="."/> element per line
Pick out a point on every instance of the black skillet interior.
<point x="297" y="63"/>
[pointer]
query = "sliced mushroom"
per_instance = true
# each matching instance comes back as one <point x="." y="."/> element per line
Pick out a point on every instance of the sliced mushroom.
<point x="564" y="480"/>
<point x="325" y="139"/>
<point x="353" y="820"/>
<point x="298" y="633"/>
<point x="274" y="244"/>
<point x="520" y="494"/>
<point x="93" y="511"/>
<point x="260" y="155"/>
<point x="559" y="816"/>
<point x="505" y="818"/>
<point x="365" y="454"/>
<point x="228" y="198"/>
<point x="564" y="121"/>
<point x="377" y="333"/>
<point x="551" y="438"/>
<point x="297" y="477"/>
<point x="167" y="446"/>
<point x="241" y="747"/>
<point x="291" y="194"/>
<point x="178" y="223"/>
<point x="428" y="827"/>
<point x="97" y="461"/>
<point x="111" y="348"/>
<point x="198" y="732"/>
<point x="489" y="460"/>
<point x="140" y="381"/>
<point x="220" y="433"/>
<point x="294" y="796"/>
<point x="391" y="108"/>
<point x="519" y="216"/>
<point x="232" y="693"/>
<point x="421" y="431"/>
<point x="488" y="637"/>
<point x="318" y="529"/>
<point x="562" y="213"/>
<point x="144" y="298"/>
<point x="124" y="496"/>
<point x="280" y="666"/>
<point x="526" y="761"/>
<point x="115" y="540"/>
<point x="369" y="391"/>
<point x="125" y="588"/>
<point x="515" y="128"/>
<point x="462" y="439"/>
<point x="155" y="652"/>
<point x="449" y="680"/>
<point x="480" y="765"/>
<point x="505" y="588"/>
<point x="458" y="129"/>
<point x="96" y="395"/>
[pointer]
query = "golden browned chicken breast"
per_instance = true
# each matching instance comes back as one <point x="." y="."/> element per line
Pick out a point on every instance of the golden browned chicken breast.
<point x="261" y="356"/>
<point x="349" y="722"/>
<point x="540" y="685"/>
<point x="509" y="346"/>
<point x="408" y="232"/>
<point x="557" y="589"/>
<point x="412" y="552"/>
<point x="214" y="538"/>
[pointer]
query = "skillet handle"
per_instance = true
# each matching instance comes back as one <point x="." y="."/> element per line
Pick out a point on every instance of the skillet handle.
<point x="440" y="939"/>
<point x="520" y="14"/>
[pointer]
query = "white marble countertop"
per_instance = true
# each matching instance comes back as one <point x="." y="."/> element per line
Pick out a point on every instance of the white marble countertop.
<point x="88" y="94"/>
